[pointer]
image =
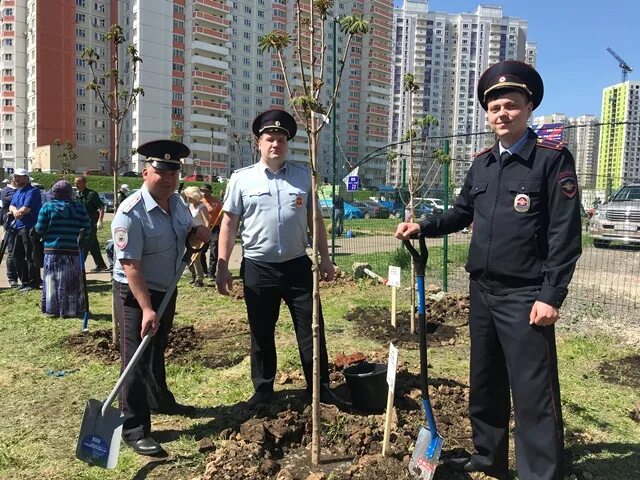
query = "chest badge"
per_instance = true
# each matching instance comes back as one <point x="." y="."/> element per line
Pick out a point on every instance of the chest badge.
<point x="121" y="237"/>
<point x="299" y="201"/>
<point x="522" y="203"/>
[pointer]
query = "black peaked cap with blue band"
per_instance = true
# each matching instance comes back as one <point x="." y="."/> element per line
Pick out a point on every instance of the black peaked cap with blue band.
<point x="275" y="121"/>
<point x="513" y="75"/>
<point x="164" y="154"/>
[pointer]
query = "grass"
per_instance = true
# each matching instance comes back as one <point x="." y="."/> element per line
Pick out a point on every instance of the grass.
<point x="43" y="412"/>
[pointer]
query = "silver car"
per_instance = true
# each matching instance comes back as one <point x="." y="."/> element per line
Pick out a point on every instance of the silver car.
<point x="619" y="219"/>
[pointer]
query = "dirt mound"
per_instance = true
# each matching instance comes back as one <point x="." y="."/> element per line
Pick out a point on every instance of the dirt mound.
<point x="225" y="343"/>
<point x="443" y="324"/>
<point x="97" y="344"/>
<point x="273" y="441"/>
<point x="625" y="371"/>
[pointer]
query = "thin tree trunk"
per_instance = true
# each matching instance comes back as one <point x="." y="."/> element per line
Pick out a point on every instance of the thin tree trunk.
<point x="315" y="320"/>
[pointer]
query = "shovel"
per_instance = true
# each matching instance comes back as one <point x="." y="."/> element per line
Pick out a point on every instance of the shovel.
<point x="101" y="429"/>
<point x="85" y="317"/>
<point x="5" y="237"/>
<point x="426" y="454"/>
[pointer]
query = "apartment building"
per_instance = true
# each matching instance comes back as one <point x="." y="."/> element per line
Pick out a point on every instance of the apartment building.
<point x="447" y="53"/>
<point x="619" y="144"/>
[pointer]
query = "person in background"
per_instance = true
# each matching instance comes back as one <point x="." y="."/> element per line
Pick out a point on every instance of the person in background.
<point x="122" y="193"/>
<point x="60" y="223"/>
<point x="338" y="206"/>
<point x="25" y="206"/>
<point x="6" y="194"/>
<point x="90" y="200"/>
<point x="214" y="211"/>
<point x="149" y="232"/>
<point x="522" y="196"/>
<point x="272" y="198"/>
<point x="200" y="217"/>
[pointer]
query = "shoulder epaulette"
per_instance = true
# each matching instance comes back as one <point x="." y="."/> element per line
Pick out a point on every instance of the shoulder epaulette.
<point x="244" y="168"/>
<point x="477" y="154"/>
<point x="552" y="144"/>
<point x="131" y="202"/>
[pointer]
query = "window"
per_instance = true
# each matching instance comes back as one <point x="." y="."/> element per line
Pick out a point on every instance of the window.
<point x="7" y="42"/>
<point x="80" y="3"/>
<point x="99" y="7"/>
<point x="80" y="92"/>
<point x="7" y="27"/>
<point x="81" y="77"/>
<point x="177" y="67"/>
<point x="178" y="9"/>
<point x="81" y="107"/>
<point x="177" y="96"/>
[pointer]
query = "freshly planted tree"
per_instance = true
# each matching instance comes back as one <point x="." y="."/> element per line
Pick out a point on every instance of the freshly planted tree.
<point x="117" y="101"/>
<point x="310" y="107"/>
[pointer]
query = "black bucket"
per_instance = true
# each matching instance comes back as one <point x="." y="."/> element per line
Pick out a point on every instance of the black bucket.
<point x="367" y="384"/>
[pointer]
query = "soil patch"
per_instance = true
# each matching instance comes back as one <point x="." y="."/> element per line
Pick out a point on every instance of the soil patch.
<point x="225" y="343"/>
<point x="625" y="371"/>
<point x="273" y="441"/>
<point x="446" y="322"/>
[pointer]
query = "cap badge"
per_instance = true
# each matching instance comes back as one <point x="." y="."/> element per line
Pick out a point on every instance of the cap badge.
<point x="502" y="79"/>
<point x="522" y="203"/>
<point x="277" y="123"/>
<point x="167" y="156"/>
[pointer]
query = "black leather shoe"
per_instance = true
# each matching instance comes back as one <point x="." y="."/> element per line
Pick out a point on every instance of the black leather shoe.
<point x="260" y="398"/>
<point x="174" y="409"/>
<point x="330" y="398"/>
<point x="147" y="446"/>
<point x="466" y="465"/>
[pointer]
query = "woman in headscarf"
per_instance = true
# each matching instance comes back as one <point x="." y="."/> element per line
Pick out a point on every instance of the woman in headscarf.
<point x="59" y="224"/>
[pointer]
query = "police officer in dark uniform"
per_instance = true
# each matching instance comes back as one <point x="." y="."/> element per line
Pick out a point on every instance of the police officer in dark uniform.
<point x="149" y="233"/>
<point x="273" y="200"/>
<point x="521" y="195"/>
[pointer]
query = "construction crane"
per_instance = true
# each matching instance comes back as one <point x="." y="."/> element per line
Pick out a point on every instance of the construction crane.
<point x="624" y="66"/>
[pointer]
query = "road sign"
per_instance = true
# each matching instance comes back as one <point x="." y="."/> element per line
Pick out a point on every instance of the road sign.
<point x="352" y="183"/>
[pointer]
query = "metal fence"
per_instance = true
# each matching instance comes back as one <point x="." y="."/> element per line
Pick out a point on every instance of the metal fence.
<point x="607" y="277"/>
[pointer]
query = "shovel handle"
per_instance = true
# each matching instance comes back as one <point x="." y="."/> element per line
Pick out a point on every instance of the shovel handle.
<point x="419" y="259"/>
<point x="147" y="338"/>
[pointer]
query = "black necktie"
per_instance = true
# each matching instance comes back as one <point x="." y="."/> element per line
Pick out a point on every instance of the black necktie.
<point x="504" y="156"/>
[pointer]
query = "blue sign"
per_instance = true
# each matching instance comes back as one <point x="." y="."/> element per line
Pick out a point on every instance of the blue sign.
<point x="352" y="183"/>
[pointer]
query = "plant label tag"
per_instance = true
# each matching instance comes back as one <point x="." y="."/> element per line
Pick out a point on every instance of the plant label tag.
<point x="392" y="367"/>
<point x="393" y="278"/>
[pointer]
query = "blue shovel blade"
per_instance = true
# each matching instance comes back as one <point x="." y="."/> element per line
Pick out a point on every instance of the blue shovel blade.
<point x="426" y="455"/>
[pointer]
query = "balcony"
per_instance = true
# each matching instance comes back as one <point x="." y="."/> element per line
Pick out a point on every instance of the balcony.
<point x="209" y="105"/>
<point x="205" y="133"/>
<point x="209" y="77"/>
<point x="210" y="62"/>
<point x="212" y="6"/>
<point x="206" y="147"/>
<point x="214" y="92"/>
<point x="209" y="119"/>
<point x="209" y="32"/>
<point x="203" y="47"/>
<point x="381" y="91"/>
<point x="378" y="101"/>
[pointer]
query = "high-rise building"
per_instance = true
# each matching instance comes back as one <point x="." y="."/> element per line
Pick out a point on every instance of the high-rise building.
<point x="203" y="75"/>
<point x="581" y="137"/>
<point x="619" y="145"/>
<point x="362" y="103"/>
<point x="447" y="53"/>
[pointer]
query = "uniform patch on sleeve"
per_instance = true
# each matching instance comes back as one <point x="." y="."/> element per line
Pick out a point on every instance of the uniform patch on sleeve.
<point x="568" y="184"/>
<point x="120" y="237"/>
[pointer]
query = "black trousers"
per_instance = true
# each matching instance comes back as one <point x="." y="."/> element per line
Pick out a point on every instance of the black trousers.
<point x="146" y="386"/>
<point x="12" y="270"/>
<point x="93" y="247"/>
<point x="508" y="352"/>
<point x="24" y="259"/>
<point x="265" y="286"/>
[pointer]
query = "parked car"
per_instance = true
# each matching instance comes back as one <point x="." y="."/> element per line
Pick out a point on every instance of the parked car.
<point x="130" y="174"/>
<point x="371" y="209"/>
<point x="421" y="212"/>
<point x="618" y="219"/>
<point x="434" y="204"/>
<point x="107" y="199"/>
<point x="194" y="177"/>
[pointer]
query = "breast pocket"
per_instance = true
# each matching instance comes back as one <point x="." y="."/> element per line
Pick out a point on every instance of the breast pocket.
<point x="478" y="189"/>
<point x="526" y="195"/>
<point x="295" y="198"/>
<point x="258" y="199"/>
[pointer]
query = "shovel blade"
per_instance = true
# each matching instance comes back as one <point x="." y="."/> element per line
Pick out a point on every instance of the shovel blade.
<point x="99" y="439"/>
<point x="426" y="455"/>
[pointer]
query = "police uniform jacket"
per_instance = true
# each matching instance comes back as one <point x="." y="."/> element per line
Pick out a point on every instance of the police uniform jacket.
<point x="143" y="231"/>
<point x="526" y="218"/>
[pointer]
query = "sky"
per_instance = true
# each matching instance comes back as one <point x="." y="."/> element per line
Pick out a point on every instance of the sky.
<point x="572" y="38"/>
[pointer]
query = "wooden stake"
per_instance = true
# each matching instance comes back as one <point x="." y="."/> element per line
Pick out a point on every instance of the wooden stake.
<point x="394" y="292"/>
<point x="387" y="421"/>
